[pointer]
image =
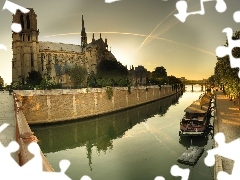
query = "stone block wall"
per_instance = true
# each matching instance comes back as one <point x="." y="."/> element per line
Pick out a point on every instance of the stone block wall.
<point x="61" y="105"/>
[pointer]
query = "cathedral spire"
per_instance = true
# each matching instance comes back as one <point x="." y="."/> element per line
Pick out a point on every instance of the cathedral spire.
<point x="82" y="22"/>
<point x="106" y="44"/>
<point x="83" y="35"/>
<point x="93" y="38"/>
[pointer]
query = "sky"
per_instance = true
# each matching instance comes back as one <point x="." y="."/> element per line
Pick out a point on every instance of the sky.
<point x="139" y="32"/>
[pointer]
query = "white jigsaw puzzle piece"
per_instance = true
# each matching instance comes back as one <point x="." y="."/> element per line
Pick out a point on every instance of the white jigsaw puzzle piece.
<point x="236" y="16"/>
<point x="12" y="7"/>
<point x="182" y="6"/>
<point x="228" y="150"/>
<point x="222" y="51"/>
<point x="159" y="178"/>
<point x="177" y="171"/>
<point x="2" y="46"/>
<point x="111" y="1"/>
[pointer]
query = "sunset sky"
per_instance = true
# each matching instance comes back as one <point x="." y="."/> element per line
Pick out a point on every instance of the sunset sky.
<point x="184" y="49"/>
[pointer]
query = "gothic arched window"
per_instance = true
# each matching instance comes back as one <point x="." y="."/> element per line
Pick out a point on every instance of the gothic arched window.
<point x="22" y="21"/>
<point x="28" y="22"/>
<point x="32" y="62"/>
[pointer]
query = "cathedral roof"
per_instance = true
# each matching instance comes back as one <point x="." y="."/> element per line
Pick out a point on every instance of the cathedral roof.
<point x="97" y="43"/>
<point x="59" y="47"/>
<point x="110" y="56"/>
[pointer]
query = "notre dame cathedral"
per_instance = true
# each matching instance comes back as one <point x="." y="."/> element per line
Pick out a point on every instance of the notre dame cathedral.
<point x="49" y="58"/>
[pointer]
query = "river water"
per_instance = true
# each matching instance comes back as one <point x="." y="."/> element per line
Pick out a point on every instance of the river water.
<point x="136" y="144"/>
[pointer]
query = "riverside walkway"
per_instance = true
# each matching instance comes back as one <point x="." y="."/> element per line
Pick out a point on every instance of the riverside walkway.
<point x="7" y="116"/>
<point x="227" y="121"/>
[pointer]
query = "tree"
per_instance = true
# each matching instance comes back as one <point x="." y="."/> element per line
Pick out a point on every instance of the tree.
<point x="78" y="75"/>
<point x="111" y="73"/>
<point x="16" y="85"/>
<point x="173" y="80"/>
<point x="160" y="72"/>
<point x="211" y="80"/>
<point x="34" y="78"/>
<point x="227" y="76"/>
<point x="46" y="84"/>
<point x="91" y="80"/>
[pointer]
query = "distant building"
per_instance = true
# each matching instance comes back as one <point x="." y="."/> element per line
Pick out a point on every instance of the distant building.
<point x="49" y="58"/>
<point x="1" y="81"/>
<point x="138" y="75"/>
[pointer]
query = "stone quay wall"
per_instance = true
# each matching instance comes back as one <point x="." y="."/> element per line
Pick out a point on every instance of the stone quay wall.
<point x="49" y="106"/>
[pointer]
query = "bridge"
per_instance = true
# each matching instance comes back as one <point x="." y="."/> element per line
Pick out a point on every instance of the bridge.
<point x="204" y="84"/>
<point x="192" y="82"/>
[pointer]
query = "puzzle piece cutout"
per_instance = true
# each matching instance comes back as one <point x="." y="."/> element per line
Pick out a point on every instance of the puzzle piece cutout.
<point x="12" y="7"/>
<point x="16" y="27"/>
<point x="228" y="150"/>
<point x="3" y="47"/>
<point x="177" y="171"/>
<point x="33" y="169"/>
<point x="111" y="1"/>
<point x="182" y="6"/>
<point x="222" y="51"/>
<point x="236" y="16"/>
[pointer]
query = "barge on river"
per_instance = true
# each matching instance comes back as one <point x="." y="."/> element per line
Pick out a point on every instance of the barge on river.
<point x="195" y="122"/>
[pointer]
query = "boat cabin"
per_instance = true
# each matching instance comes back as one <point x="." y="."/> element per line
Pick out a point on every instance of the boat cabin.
<point x="195" y="120"/>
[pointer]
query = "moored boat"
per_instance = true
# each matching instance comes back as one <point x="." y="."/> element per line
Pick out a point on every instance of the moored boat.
<point x="195" y="122"/>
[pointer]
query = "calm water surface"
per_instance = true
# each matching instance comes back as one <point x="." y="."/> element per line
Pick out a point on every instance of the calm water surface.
<point x="135" y="144"/>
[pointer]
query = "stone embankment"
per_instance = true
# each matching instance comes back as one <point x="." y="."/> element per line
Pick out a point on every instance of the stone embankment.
<point x="227" y="121"/>
<point x="18" y="130"/>
<point x="24" y="136"/>
<point x="48" y="106"/>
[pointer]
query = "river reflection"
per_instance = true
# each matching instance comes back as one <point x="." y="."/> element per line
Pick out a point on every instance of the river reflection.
<point x="98" y="131"/>
<point x="138" y="143"/>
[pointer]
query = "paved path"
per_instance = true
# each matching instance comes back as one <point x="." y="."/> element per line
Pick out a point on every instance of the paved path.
<point x="7" y="116"/>
<point x="228" y="122"/>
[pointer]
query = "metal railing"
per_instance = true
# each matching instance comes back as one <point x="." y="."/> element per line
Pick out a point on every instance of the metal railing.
<point x="24" y="136"/>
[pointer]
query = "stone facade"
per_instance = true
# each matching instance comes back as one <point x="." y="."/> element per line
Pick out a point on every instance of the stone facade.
<point x="45" y="106"/>
<point x="49" y="58"/>
<point x="138" y="75"/>
<point x="1" y="81"/>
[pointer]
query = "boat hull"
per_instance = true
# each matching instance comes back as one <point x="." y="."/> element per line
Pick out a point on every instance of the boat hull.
<point x="184" y="133"/>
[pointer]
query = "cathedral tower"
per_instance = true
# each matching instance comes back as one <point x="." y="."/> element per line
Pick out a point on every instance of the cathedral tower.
<point x="83" y="35"/>
<point x="25" y="46"/>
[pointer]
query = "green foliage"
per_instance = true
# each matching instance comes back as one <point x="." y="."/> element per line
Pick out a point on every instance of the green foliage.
<point x="111" y="73"/>
<point x="103" y="82"/>
<point x="34" y="78"/>
<point x="78" y="75"/>
<point x="107" y="68"/>
<point x="8" y="87"/>
<point x="171" y="80"/>
<point x="225" y="75"/>
<point x="91" y="80"/>
<point x="160" y="72"/>
<point x="109" y="92"/>
<point x="211" y="79"/>
<point x="46" y="84"/>
<point x="16" y="85"/>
